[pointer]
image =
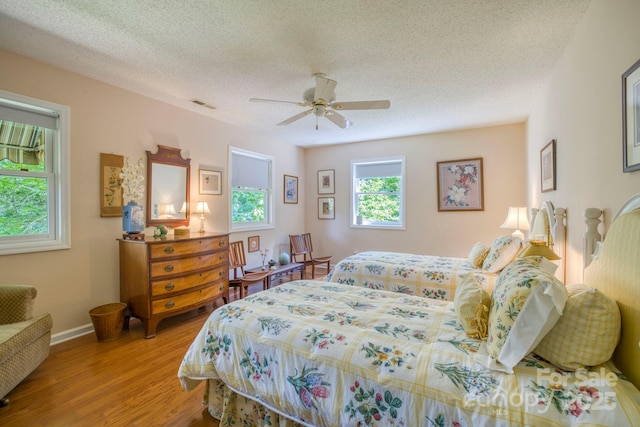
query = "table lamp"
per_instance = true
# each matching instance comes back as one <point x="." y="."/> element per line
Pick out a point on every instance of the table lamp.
<point x="516" y="219"/>
<point x="539" y="248"/>
<point x="202" y="208"/>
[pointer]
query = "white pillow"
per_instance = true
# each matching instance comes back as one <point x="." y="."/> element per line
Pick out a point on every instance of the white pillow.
<point x="525" y="304"/>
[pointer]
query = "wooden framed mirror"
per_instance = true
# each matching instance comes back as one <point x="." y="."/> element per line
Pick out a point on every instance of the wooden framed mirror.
<point x="167" y="187"/>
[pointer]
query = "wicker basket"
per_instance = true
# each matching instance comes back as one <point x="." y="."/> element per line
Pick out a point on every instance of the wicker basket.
<point x="108" y="321"/>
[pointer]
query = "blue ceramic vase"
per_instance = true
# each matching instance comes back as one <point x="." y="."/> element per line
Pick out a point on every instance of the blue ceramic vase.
<point x="132" y="218"/>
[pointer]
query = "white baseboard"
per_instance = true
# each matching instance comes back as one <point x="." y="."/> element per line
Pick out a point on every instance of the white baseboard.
<point x="70" y="334"/>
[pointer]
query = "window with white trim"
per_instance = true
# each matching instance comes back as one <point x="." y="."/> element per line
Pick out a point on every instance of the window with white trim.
<point x="34" y="175"/>
<point x="251" y="189"/>
<point x="378" y="192"/>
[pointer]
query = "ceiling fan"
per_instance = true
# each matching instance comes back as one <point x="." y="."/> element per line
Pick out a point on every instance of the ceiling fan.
<point x="321" y="102"/>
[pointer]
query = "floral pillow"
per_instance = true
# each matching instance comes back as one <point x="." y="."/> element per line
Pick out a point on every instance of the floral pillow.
<point x="503" y="250"/>
<point x="525" y="304"/>
<point x="477" y="255"/>
<point x="586" y="334"/>
<point x="471" y="304"/>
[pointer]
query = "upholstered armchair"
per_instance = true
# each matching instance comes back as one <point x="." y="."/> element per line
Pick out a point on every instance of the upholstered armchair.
<point x="24" y="339"/>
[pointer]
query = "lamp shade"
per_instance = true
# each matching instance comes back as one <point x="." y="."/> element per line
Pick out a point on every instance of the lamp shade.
<point x="516" y="219"/>
<point x="202" y="208"/>
<point x="167" y="209"/>
<point x="539" y="248"/>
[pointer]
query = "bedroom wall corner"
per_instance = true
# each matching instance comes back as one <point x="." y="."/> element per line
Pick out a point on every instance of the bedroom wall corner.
<point x="581" y="107"/>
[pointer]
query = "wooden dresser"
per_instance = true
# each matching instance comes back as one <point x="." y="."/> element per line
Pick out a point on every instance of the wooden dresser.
<point x="163" y="277"/>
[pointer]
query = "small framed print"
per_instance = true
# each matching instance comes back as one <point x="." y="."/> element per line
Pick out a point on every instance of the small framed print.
<point x="254" y="243"/>
<point x="631" y="119"/>
<point x="110" y="184"/>
<point x="210" y="182"/>
<point x="460" y="185"/>
<point x="326" y="208"/>
<point x="290" y="189"/>
<point x="326" y="181"/>
<point x="548" y="167"/>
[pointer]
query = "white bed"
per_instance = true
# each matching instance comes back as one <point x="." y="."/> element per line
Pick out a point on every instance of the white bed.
<point x="324" y="354"/>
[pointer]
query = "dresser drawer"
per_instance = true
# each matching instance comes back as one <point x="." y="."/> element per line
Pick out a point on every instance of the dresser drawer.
<point x="178" y="248"/>
<point x="178" y="284"/>
<point x="185" y="265"/>
<point x="177" y="302"/>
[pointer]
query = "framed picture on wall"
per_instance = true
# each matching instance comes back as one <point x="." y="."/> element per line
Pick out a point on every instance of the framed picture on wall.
<point x="110" y="184"/>
<point x="460" y="185"/>
<point x="631" y="119"/>
<point x="326" y="208"/>
<point x="253" y="243"/>
<point x="326" y="183"/>
<point x="290" y="189"/>
<point x="210" y="182"/>
<point x="548" y="167"/>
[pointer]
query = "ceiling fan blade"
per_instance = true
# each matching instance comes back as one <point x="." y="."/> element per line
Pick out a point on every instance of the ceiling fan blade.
<point x="338" y="119"/>
<point x="296" y="117"/>
<point x="324" y="88"/>
<point x="300" y="104"/>
<point x="362" y="105"/>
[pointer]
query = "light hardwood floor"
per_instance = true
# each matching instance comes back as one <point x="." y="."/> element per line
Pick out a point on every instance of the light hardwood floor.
<point x="128" y="382"/>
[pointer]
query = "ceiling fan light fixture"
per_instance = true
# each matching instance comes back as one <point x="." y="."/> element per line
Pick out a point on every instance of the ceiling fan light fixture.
<point x="316" y="100"/>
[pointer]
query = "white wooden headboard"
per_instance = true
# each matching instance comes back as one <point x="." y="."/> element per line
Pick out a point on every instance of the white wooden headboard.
<point x="549" y="225"/>
<point x="614" y="270"/>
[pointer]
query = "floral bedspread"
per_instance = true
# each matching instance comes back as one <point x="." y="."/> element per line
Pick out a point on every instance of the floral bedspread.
<point x="325" y="354"/>
<point x="423" y="275"/>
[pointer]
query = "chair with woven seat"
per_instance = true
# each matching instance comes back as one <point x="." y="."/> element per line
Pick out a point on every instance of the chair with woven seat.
<point x="300" y="246"/>
<point x="240" y="279"/>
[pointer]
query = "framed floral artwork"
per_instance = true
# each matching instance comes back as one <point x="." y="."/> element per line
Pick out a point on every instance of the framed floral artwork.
<point x="111" y="201"/>
<point x="460" y="185"/>
<point x="326" y="181"/>
<point x="290" y="189"/>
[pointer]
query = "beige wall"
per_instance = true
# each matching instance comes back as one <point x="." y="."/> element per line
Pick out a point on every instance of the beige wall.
<point x="581" y="107"/>
<point x="427" y="230"/>
<point x="106" y="119"/>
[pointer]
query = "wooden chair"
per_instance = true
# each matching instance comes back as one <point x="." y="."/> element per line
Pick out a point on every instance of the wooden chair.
<point x="240" y="279"/>
<point x="301" y="246"/>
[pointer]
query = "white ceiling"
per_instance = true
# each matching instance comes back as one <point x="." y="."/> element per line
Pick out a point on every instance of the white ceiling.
<point x="443" y="64"/>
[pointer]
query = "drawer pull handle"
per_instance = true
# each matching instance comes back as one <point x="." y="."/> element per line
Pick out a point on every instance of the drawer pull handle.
<point x="222" y="273"/>
<point x="169" y="250"/>
<point x="221" y="243"/>
<point x="170" y="286"/>
<point x="222" y="288"/>
<point x="168" y="268"/>
<point x="221" y="257"/>
<point x="169" y="304"/>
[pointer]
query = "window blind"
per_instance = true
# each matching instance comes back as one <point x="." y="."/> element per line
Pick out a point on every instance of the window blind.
<point x="249" y="171"/>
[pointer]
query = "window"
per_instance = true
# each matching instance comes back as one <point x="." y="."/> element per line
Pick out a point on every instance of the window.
<point x="34" y="175"/>
<point x="378" y="193"/>
<point x="251" y="189"/>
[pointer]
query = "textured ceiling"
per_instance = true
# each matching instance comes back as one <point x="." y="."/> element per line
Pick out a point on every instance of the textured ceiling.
<point x="443" y="64"/>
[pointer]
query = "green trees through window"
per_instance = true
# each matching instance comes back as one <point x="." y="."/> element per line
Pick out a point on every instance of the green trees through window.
<point x="23" y="202"/>
<point x="378" y="199"/>
<point x="247" y="206"/>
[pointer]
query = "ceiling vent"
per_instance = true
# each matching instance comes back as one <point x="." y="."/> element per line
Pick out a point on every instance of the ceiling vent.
<point x="203" y="104"/>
